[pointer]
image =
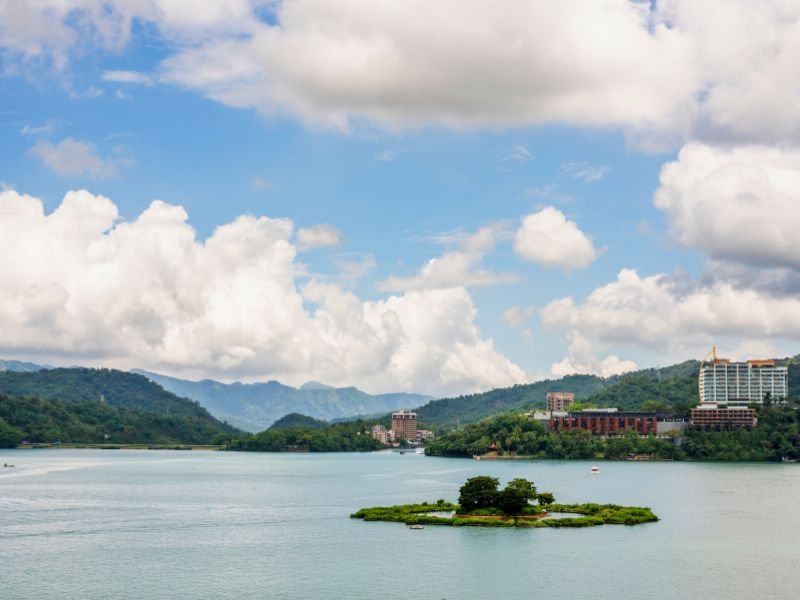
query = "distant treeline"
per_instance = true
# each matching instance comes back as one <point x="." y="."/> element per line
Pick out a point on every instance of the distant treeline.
<point x="340" y="437"/>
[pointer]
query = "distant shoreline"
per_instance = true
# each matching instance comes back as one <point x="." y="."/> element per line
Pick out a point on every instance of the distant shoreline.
<point x="193" y="447"/>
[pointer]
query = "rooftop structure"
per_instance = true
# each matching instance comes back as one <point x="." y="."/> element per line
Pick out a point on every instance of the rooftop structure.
<point x="741" y="383"/>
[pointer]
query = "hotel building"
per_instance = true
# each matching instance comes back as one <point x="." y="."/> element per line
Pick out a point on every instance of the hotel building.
<point x="742" y="383"/>
<point x="404" y="425"/>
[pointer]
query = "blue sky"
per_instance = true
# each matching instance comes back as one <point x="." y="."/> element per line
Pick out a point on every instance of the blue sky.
<point x="390" y="157"/>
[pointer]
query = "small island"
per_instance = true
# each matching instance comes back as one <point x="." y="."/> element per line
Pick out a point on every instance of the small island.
<point x="482" y="504"/>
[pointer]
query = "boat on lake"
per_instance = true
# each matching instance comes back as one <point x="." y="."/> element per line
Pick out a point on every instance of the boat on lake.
<point x="594" y="470"/>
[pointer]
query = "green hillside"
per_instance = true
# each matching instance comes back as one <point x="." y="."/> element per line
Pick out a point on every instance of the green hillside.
<point x="93" y="422"/>
<point x="298" y="421"/>
<point x="449" y="412"/>
<point x="671" y="388"/>
<point x="85" y="405"/>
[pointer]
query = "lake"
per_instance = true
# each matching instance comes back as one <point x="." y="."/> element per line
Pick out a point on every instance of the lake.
<point x="92" y="524"/>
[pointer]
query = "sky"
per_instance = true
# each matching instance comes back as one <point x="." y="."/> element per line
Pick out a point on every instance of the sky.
<point x="442" y="197"/>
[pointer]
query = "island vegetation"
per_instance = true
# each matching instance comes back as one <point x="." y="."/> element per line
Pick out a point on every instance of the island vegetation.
<point x="482" y="504"/>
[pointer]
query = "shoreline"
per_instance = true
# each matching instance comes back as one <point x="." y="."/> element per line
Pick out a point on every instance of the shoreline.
<point x="183" y="447"/>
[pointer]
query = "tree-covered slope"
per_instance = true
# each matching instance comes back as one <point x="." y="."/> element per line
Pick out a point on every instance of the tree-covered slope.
<point x="449" y="412"/>
<point x="672" y="388"/>
<point x="256" y="406"/>
<point x="60" y="401"/>
<point x="91" y="421"/>
<point x="298" y="421"/>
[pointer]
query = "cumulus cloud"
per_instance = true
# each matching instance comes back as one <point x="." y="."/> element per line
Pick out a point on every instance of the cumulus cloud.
<point x="82" y="284"/>
<point x="671" y="315"/>
<point x="455" y="268"/>
<point x="517" y="316"/>
<point x="721" y="69"/>
<point x="504" y="70"/>
<point x="318" y="236"/>
<point x="583" y="360"/>
<point x="547" y="238"/>
<point x="74" y="158"/>
<point x="738" y="204"/>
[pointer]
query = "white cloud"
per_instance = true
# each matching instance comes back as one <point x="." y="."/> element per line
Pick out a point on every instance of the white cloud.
<point x="37" y="130"/>
<point x="582" y="359"/>
<point x="128" y="77"/>
<point x="353" y="270"/>
<point x="318" y="236"/>
<point x="740" y="204"/>
<point x="388" y="155"/>
<point x="720" y="69"/>
<point x="519" y="153"/>
<point x="584" y="171"/>
<point x="455" y="268"/>
<point x="675" y="317"/>
<point x="75" y="158"/>
<point x="517" y="316"/>
<point x="81" y="284"/>
<point x="547" y="238"/>
<point x="483" y="66"/>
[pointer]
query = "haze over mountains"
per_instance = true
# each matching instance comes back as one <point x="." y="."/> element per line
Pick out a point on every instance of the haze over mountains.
<point x="256" y="406"/>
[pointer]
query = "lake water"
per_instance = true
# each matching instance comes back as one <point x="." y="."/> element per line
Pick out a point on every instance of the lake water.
<point x="94" y="524"/>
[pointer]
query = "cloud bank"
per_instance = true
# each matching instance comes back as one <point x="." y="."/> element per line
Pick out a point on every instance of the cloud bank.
<point x="83" y="283"/>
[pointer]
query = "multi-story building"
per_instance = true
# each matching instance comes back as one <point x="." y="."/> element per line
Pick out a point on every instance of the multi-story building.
<point x="560" y="401"/>
<point x="424" y="435"/>
<point x="715" y="417"/>
<point x="379" y="433"/>
<point x="606" y="421"/>
<point x="742" y="383"/>
<point x="404" y="425"/>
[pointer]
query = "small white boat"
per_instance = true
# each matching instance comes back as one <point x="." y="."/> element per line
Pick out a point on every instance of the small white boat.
<point x="594" y="470"/>
<point x="416" y="526"/>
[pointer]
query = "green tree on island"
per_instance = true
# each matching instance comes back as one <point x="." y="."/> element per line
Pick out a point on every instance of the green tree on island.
<point x="481" y="493"/>
<point x="478" y="492"/>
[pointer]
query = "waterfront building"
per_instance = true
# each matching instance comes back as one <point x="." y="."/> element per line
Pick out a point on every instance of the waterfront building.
<point x="560" y="401"/>
<point x="742" y="383"/>
<point x="379" y="433"/>
<point x="424" y="435"/>
<point x="715" y="417"/>
<point x="404" y="425"/>
<point x="608" y="421"/>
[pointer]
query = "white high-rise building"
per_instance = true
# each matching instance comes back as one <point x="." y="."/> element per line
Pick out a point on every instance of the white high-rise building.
<point x="742" y="383"/>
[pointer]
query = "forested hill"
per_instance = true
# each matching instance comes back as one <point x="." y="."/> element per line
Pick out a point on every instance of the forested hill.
<point x="449" y="412"/>
<point x="95" y="422"/>
<point x="671" y="388"/>
<point x="127" y="393"/>
<point x="298" y="421"/>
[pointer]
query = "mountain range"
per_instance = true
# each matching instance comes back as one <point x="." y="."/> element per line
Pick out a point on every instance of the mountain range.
<point x="256" y="406"/>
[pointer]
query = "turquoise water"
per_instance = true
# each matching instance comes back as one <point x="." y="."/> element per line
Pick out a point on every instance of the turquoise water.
<point x="86" y="524"/>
